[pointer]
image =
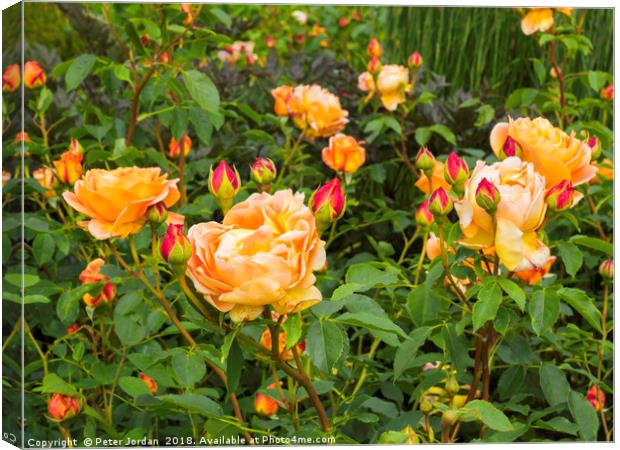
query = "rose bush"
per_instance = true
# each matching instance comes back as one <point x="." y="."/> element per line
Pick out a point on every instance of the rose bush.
<point x="255" y="222"/>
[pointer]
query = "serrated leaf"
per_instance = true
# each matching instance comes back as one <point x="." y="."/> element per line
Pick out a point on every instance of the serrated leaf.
<point x="514" y="291"/>
<point x="292" y="328"/>
<point x="544" y="309"/>
<point x="202" y="90"/>
<point x="189" y="368"/>
<point x="407" y="351"/>
<point x="485" y="309"/>
<point x="78" y="70"/>
<point x="584" y="415"/>
<point x="194" y="403"/>
<point x="553" y="384"/>
<point x="583" y="304"/>
<point x="325" y="344"/>
<point x="134" y="386"/>
<point x="370" y="322"/>
<point x="594" y="243"/>
<point x="490" y="415"/>
<point x="571" y="257"/>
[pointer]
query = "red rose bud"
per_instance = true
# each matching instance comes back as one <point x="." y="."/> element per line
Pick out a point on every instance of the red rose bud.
<point x="595" y="144"/>
<point x="560" y="196"/>
<point x="456" y="171"/>
<point x="61" y="407"/>
<point x="374" y="48"/>
<point x="374" y="65"/>
<point x="175" y="248"/>
<point x="265" y="405"/>
<point x="263" y="171"/>
<point x="224" y="183"/>
<point x="270" y="42"/>
<point x="596" y="397"/>
<point x="328" y="203"/>
<point x="487" y="196"/>
<point x="343" y="22"/>
<point x="424" y="160"/>
<point x="415" y="60"/>
<point x="423" y="216"/>
<point x="440" y="203"/>
<point x="606" y="269"/>
<point x="510" y="148"/>
<point x="299" y="38"/>
<point x="607" y="93"/>
<point x="158" y="213"/>
<point x="11" y="78"/>
<point x="73" y="328"/>
<point x="164" y="58"/>
<point x="174" y="147"/>
<point x="145" y="39"/>
<point x="34" y="75"/>
<point x="149" y="382"/>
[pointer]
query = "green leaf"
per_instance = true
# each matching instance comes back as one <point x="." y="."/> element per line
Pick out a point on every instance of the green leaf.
<point x="490" y="415"/>
<point x="593" y="243"/>
<point x="202" y="90"/>
<point x="583" y="304"/>
<point x="234" y="365"/>
<point x="52" y="383"/>
<point x="571" y="257"/>
<point x="456" y="347"/>
<point x="16" y="279"/>
<point x="407" y="351"/>
<point x="544" y="309"/>
<point x="485" y="309"/>
<point x="553" y="384"/>
<point x="423" y="305"/>
<point x="325" y="344"/>
<point x="597" y="79"/>
<point x="371" y="322"/>
<point x="43" y="248"/>
<point x="67" y="308"/>
<point x="189" y="402"/>
<point x="134" y="386"/>
<point x="422" y="135"/>
<point x="584" y="415"/>
<point x="79" y="69"/>
<point x="293" y="328"/>
<point x="514" y="291"/>
<point x="368" y="275"/>
<point x="444" y="132"/>
<point x="189" y="368"/>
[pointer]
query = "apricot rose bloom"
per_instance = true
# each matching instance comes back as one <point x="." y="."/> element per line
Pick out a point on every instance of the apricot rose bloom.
<point x="264" y="253"/>
<point x="117" y="200"/>
<point x="392" y="84"/>
<point x="317" y="111"/>
<point x="344" y="153"/>
<point x="519" y="215"/>
<point x="537" y="19"/>
<point x="555" y="154"/>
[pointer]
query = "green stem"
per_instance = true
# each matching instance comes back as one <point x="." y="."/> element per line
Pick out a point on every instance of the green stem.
<point x="371" y="354"/>
<point x="28" y="332"/>
<point x="408" y="243"/>
<point x="418" y="269"/>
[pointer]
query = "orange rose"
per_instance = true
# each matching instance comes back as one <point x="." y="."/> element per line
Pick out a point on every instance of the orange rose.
<point x="46" y="178"/>
<point x="344" y="153"/>
<point x="556" y="155"/>
<point x="61" y="407"/>
<point x="174" y="148"/>
<point x="69" y="166"/>
<point x="438" y="179"/>
<point x="317" y="111"/>
<point x="392" y="84"/>
<point x="34" y="75"/>
<point x="117" y="200"/>
<point x="535" y="275"/>
<point x="11" y="78"/>
<point x="605" y="171"/>
<point x="263" y="254"/>
<point x="92" y="274"/>
<point x="282" y="96"/>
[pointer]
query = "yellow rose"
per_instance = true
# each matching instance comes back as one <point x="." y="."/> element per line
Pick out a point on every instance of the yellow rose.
<point x="264" y="253"/>
<point x="519" y="215"/>
<point x="317" y="111"/>
<point x="556" y="155"/>
<point x="344" y="153"/>
<point x="392" y="84"/>
<point x="117" y="200"/>
<point x="537" y="19"/>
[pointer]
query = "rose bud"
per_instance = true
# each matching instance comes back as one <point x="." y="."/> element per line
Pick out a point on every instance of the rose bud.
<point x="423" y="216"/>
<point x="265" y="405"/>
<point x="606" y="269"/>
<point x="415" y="60"/>
<point x="34" y="75"/>
<point x="157" y="213"/>
<point x="45" y="177"/>
<point x="270" y="42"/>
<point x="73" y="328"/>
<point x="263" y="171"/>
<point x="224" y="183"/>
<point x="452" y="385"/>
<point x="149" y="382"/>
<point x="449" y="418"/>
<point x="328" y="204"/>
<point x="456" y="171"/>
<point x="324" y="43"/>
<point x="6" y="176"/>
<point x="299" y="38"/>
<point x="440" y="203"/>
<point x="285" y="354"/>
<point x="175" y="248"/>
<point x="554" y="73"/>
<point x="560" y="196"/>
<point x="61" y="407"/>
<point x="510" y="148"/>
<point x="164" y="58"/>
<point x="595" y="144"/>
<point x="487" y="196"/>
<point x="343" y="22"/>
<point x="424" y="160"/>
<point x="69" y="167"/>
<point x="607" y="93"/>
<point x="11" y="78"/>
<point x="596" y="397"/>
<point x="374" y="48"/>
<point x="174" y="147"/>
<point x="92" y="274"/>
<point x="374" y="65"/>
<point x="76" y="147"/>
<point x="357" y="15"/>
<point x="19" y="137"/>
<point x="145" y="39"/>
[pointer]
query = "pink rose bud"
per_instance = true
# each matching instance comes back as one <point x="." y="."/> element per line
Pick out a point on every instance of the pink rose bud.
<point x="175" y="248"/>
<point x="487" y="196"/>
<point x="560" y="196"/>
<point x="328" y="203"/>
<point x="456" y="171"/>
<point x="224" y="183"/>
<point x="76" y="147"/>
<point x="510" y="148"/>
<point x="415" y="60"/>
<point x="606" y="269"/>
<point x="374" y="65"/>
<point x="270" y="42"/>
<point x="596" y="397"/>
<point x="343" y="22"/>
<point x="424" y="160"/>
<point x="158" y="213"/>
<point x="607" y="93"/>
<point x="595" y="144"/>
<point x="374" y="48"/>
<point x="263" y="171"/>
<point x="423" y="216"/>
<point x="440" y="203"/>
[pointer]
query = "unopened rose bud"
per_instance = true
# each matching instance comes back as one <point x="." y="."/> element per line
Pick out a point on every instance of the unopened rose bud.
<point x="46" y="178"/>
<point x="174" y="147"/>
<point x="73" y="328"/>
<point x="149" y="382"/>
<point x="34" y="75"/>
<point x="374" y="65"/>
<point x="606" y="269"/>
<point x="6" y="177"/>
<point x="452" y="385"/>
<point x="164" y="58"/>
<point x="424" y="160"/>
<point x="357" y="16"/>
<point x="595" y="145"/>
<point x="76" y="147"/>
<point x="415" y="60"/>
<point x="560" y="196"/>
<point x="270" y="42"/>
<point x="449" y="417"/>
<point x="343" y="22"/>
<point x="596" y="397"/>
<point x="263" y="171"/>
<point x="145" y="39"/>
<point x="19" y="137"/>
<point x="324" y="43"/>
<point x="157" y="213"/>
<point x="607" y="93"/>
<point x="175" y="248"/>
<point x="554" y="73"/>
<point x="299" y="38"/>
<point x="265" y="405"/>
<point x="423" y="216"/>
<point x="328" y="204"/>
<point x="510" y="148"/>
<point x="487" y="196"/>
<point x="440" y="203"/>
<point x="224" y="183"/>
<point x="11" y="78"/>
<point x="374" y="48"/>
<point x="69" y="166"/>
<point x="426" y="404"/>
<point x="456" y="171"/>
<point x="61" y="407"/>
